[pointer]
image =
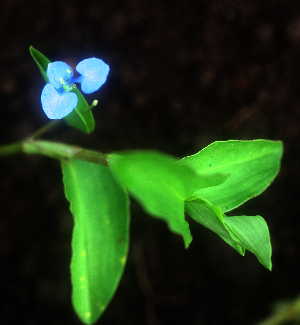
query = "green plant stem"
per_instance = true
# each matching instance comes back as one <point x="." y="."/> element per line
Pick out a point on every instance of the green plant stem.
<point x="52" y="149"/>
<point x="11" y="149"/>
<point x="17" y="147"/>
<point x="59" y="150"/>
<point x="44" y="129"/>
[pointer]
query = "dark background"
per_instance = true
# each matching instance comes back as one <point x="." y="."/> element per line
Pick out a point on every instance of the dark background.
<point x="183" y="74"/>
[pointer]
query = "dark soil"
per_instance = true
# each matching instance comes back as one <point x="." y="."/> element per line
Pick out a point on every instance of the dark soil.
<point x="183" y="74"/>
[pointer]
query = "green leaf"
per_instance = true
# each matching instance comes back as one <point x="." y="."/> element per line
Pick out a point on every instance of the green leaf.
<point x="212" y="218"/>
<point x="160" y="184"/>
<point x="81" y="117"/>
<point x="242" y="232"/>
<point x="253" y="234"/>
<point x="100" y="237"/>
<point x="251" y="165"/>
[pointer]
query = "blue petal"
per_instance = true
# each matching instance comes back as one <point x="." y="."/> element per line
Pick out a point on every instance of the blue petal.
<point x="57" y="105"/>
<point x="59" y="73"/>
<point x="94" y="73"/>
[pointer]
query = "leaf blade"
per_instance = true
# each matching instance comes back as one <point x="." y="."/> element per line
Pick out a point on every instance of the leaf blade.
<point x="100" y="238"/>
<point x="253" y="233"/>
<point x="240" y="232"/>
<point x="160" y="183"/>
<point x="213" y="219"/>
<point x="251" y="165"/>
<point x="151" y="178"/>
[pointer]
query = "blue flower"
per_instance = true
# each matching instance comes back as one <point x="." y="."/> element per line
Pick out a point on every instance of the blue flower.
<point x="57" y="98"/>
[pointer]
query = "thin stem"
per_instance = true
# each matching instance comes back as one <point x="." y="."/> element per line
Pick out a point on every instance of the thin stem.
<point x="44" y="129"/>
<point x="52" y="149"/>
<point x="59" y="150"/>
<point x="11" y="149"/>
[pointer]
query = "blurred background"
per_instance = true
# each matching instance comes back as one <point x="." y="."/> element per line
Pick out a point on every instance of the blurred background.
<point x="183" y="74"/>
